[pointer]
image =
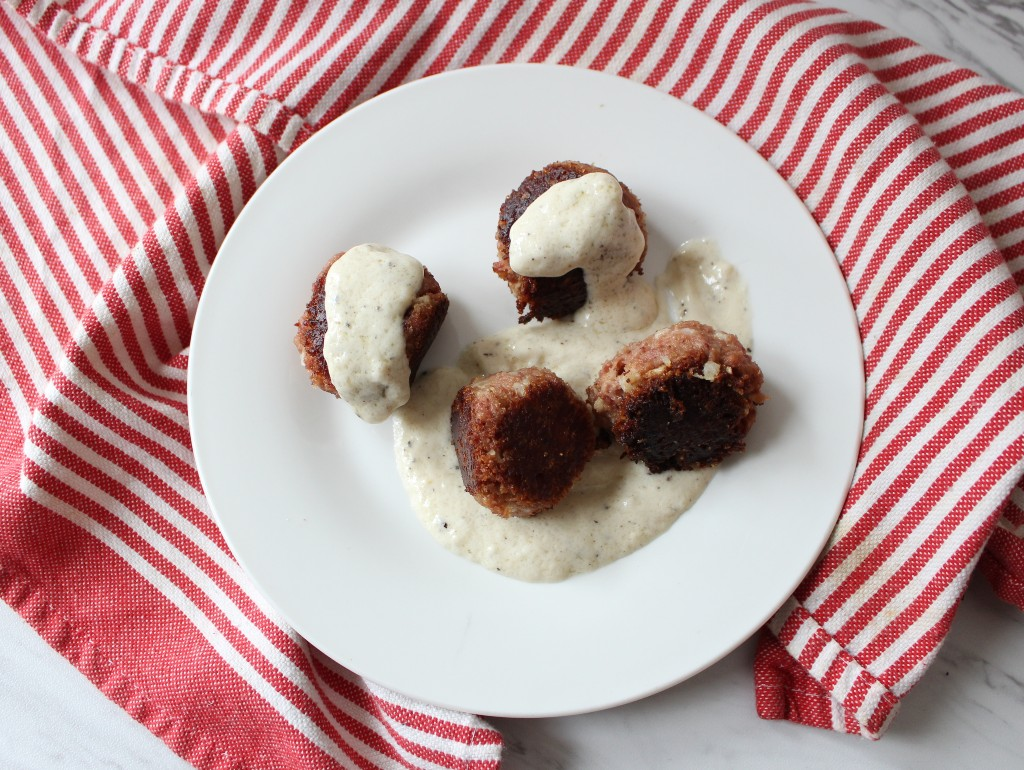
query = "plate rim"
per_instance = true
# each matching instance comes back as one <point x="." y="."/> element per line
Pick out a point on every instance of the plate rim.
<point x="233" y="235"/>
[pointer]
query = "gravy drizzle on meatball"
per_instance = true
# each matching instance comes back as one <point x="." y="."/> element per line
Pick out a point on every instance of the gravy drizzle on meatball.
<point x="554" y="296"/>
<point x="582" y="223"/>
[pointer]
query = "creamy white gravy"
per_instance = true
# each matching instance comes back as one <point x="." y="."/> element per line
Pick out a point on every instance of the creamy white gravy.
<point x="366" y="295"/>
<point x="617" y="506"/>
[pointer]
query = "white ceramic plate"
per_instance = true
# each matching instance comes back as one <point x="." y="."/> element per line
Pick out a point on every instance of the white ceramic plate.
<point x="309" y="498"/>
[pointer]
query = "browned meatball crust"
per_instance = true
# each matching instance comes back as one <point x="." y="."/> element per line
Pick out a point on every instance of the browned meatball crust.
<point x="540" y="298"/>
<point x="420" y="325"/>
<point x="682" y="398"/>
<point x="522" y="439"/>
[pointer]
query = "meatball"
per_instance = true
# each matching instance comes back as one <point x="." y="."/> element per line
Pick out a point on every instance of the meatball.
<point x="682" y="398"/>
<point x="420" y="326"/>
<point x="522" y="439"/>
<point x="540" y="298"/>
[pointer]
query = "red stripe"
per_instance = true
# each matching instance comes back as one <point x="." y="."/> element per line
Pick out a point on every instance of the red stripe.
<point x="884" y="49"/>
<point x="927" y="92"/>
<point x="997" y="173"/>
<point x="557" y="31"/>
<point x="618" y="35"/>
<point x="359" y="81"/>
<point x="877" y="125"/>
<point x="951" y="106"/>
<point x="877" y="263"/>
<point x="914" y="383"/>
<point x="911" y="66"/>
<point x="923" y="648"/>
<point x="939" y="266"/>
<point x="589" y="33"/>
<point x="675" y="46"/>
<point x="53" y="199"/>
<point x="913" y="170"/>
<point x="466" y="27"/>
<point x="913" y="564"/>
<point x="733" y="48"/>
<point x="990" y="146"/>
<point x="791" y="57"/>
<point x="491" y="34"/>
<point x="812" y="648"/>
<point x="792" y="625"/>
<point x="232" y="69"/>
<point x="290" y="59"/>
<point x="130" y="624"/>
<point x="38" y="314"/>
<point x="853" y="700"/>
<point x="421" y="44"/>
<point x="526" y="31"/>
<point x="181" y="580"/>
<point x="651" y="33"/>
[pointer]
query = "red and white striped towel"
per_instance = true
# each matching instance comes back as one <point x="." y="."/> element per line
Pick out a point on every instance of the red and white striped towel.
<point x="131" y="135"/>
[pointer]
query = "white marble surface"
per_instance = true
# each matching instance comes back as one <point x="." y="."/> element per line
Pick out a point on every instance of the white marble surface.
<point x="968" y="711"/>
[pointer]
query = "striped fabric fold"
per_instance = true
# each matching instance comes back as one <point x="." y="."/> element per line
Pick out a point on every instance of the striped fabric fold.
<point x="132" y="134"/>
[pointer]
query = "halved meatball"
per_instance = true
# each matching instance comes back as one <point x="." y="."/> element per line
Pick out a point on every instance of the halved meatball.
<point x="682" y="398"/>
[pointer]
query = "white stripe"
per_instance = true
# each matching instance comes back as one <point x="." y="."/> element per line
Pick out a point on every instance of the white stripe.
<point x="665" y="35"/>
<point x="860" y="149"/>
<point x="602" y="34"/>
<point x="825" y="658"/>
<point x="551" y="16"/>
<point x="172" y="41"/>
<point x="400" y="52"/>
<point x="137" y="384"/>
<point x="30" y="286"/>
<point x="815" y="153"/>
<point x="894" y="391"/>
<point x="312" y="71"/>
<point x="214" y="29"/>
<point x="869" y="705"/>
<point x="1007" y="126"/>
<point x="919" y="79"/>
<point x="937" y="512"/>
<point x="927" y="623"/>
<point x="22" y="407"/>
<point x="884" y="229"/>
<point x="438" y="44"/>
<point x="502" y="42"/>
<point x="308" y="60"/>
<point x="488" y="16"/>
<point x="794" y="71"/>
<point x="936" y="520"/>
<point x="698" y="35"/>
<point x="468" y="752"/>
<point x="230" y="45"/>
<point x="801" y="130"/>
<point x="70" y="222"/>
<point x="632" y="40"/>
<point x="117" y="20"/>
<point x="569" y="37"/>
<point x="151" y="461"/>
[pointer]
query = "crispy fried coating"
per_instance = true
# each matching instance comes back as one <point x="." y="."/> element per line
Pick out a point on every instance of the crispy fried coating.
<point x="522" y="439"/>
